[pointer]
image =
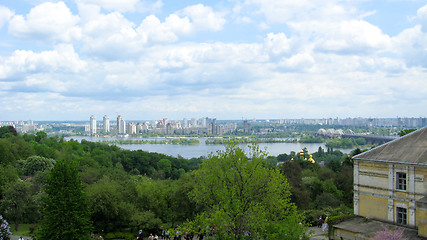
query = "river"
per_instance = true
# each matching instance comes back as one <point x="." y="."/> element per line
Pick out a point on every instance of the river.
<point x="196" y="150"/>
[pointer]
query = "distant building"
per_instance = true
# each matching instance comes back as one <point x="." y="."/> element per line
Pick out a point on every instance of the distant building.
<point x="246" y="126"/>
<point x="92" y="125"/>
<point x="106" y="121"/>
<point x="131" y="128"/>
<point x="121" y="125"/>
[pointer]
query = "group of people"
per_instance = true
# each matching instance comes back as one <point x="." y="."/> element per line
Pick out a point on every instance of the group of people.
<point x="323" y="223"/>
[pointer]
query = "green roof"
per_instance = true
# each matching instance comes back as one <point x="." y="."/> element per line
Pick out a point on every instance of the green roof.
<point x="409" y="149"/>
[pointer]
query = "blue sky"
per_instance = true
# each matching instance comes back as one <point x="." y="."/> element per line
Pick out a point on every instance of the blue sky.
<point x="265" y="59"/>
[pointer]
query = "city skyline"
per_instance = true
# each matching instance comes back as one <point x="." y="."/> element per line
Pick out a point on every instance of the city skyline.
<point x="147" y="59"/>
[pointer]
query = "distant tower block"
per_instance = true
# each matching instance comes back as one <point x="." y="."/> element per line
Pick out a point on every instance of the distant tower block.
<point x="121" y="125"/>
<point x="106" y="124"/>
<point x="92" y="126"/>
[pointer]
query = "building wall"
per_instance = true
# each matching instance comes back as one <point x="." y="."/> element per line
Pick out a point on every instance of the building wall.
<point x="421" y="220"/>
<point x="376" y="195"/>
<point x="373" y="207"/>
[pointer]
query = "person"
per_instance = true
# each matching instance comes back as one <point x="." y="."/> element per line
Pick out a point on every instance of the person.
<point x="140" y="235"/>
<point x="325" y="226"/>
<point x="167" y="235"/>
<point x="151" y="237"/>
<point x="341" y="238"/>
<point x="319" y="224"/>
<point x="21" y="238"/>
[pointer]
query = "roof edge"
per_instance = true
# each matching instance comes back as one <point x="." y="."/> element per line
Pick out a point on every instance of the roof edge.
<point x="397" y="139"/>
<point x="391" y="162"/>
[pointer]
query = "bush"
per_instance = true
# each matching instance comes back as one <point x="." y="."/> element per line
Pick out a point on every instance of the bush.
<point x="4" y="229"/>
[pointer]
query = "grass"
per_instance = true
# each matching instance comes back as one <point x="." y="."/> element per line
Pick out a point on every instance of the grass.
<point x="23" y="229"/>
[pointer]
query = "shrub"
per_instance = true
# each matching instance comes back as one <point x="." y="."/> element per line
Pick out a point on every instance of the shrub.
<point x="4" y="229"/>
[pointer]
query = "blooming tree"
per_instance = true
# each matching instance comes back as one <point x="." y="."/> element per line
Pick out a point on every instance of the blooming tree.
<point x="4" y="229"/>
<point x="390" y="234"/>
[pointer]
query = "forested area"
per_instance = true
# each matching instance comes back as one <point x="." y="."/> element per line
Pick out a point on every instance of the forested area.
<point x="122" y="191"/>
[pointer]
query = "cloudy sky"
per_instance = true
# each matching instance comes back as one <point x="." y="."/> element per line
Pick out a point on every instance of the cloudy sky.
<point x="229" y="59"/>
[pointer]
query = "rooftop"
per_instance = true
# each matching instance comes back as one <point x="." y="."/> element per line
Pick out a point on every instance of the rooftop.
<point x="409" y="149"/>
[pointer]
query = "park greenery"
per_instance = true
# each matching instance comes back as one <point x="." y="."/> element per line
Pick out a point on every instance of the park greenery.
<point x="333" y="143"/>
<point x="62" y="188"/>
<point x="154" y="141"/>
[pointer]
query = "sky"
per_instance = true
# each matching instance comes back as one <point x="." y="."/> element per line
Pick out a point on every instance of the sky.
<point x="228" y="59"/>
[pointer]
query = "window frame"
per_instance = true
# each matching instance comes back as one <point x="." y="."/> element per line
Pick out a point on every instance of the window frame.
<point x="401" y="215"/>
<point x="401" y="181"/>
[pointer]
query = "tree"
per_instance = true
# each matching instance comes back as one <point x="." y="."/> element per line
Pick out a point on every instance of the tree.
<point x="293" y="173"/>
<point x="7" y="131"/>
<point x="34" y="164"/>
<point x="241" y="196"/>
<point x="15" y="200"/>
<point x="390" y="234"/>
<point x="164" y="165"/>
<point x="65" y="211"/>
<point x="406" y="131"/>
<point x="4" y="229"/>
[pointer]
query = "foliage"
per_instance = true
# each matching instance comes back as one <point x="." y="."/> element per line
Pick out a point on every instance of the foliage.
<point x="241" y="195"/>
<point x="293" y="173"/>
<point x="17" y="203"/>
<point x="65" y="211"/>
<point x="7" y="131"/>
<point x="170" y="141"/>
<point x="34" y="164"/>
<point x="406" y="131"/>
<point x="390" y="234"/>
<point x="311" y="139"/>
<point x="345" y="142"/>
<point x="4" y="229"/>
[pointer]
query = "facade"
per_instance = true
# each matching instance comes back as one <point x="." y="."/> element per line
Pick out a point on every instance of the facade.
<point x="390" y="182"/>
<point x="106" y="121"/>
<point x="131" y="128"/>
<point x="92" y="125"/>
<point x="121" y="125"/>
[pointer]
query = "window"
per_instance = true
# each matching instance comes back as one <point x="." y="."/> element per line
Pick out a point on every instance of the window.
<point x="401" y="215"/>
<point x="401" y="181"/>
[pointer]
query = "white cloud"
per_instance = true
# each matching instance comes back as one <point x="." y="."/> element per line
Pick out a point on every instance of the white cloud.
<point x="299" y="62"/>
<point x="62" y="59"/>
<point x="411" y="44"/>
<point x="344" y="37"/>
<point x="168" y="31"/>
<point x="114" y="5"/>
<point x="204" y="18"/>
<point x="422" y="17"/>
<point x="51" y="21"/>
<point x="5" y="15"/>
<point x="277" y="45"/>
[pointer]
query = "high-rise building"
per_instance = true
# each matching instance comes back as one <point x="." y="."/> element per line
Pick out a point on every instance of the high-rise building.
<point x="92" y="126"/>
<point x="121" y="125"/>
<point x="131" y="128"/>
<point x="106" y="124"/>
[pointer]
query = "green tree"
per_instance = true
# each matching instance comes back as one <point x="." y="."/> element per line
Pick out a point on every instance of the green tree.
<point x="242" y="196"/>
<point x="65" y="211"/>
<point x="34" y="164"/>
<point x="406" y="131"/>
<point x="15" y="201"/>
<point x="7" y="131"/>
<point x="164" y="165"/>
<point x="293" y="173"/>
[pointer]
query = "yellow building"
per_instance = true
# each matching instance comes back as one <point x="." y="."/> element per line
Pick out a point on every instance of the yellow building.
<point x="390" y="182"/>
